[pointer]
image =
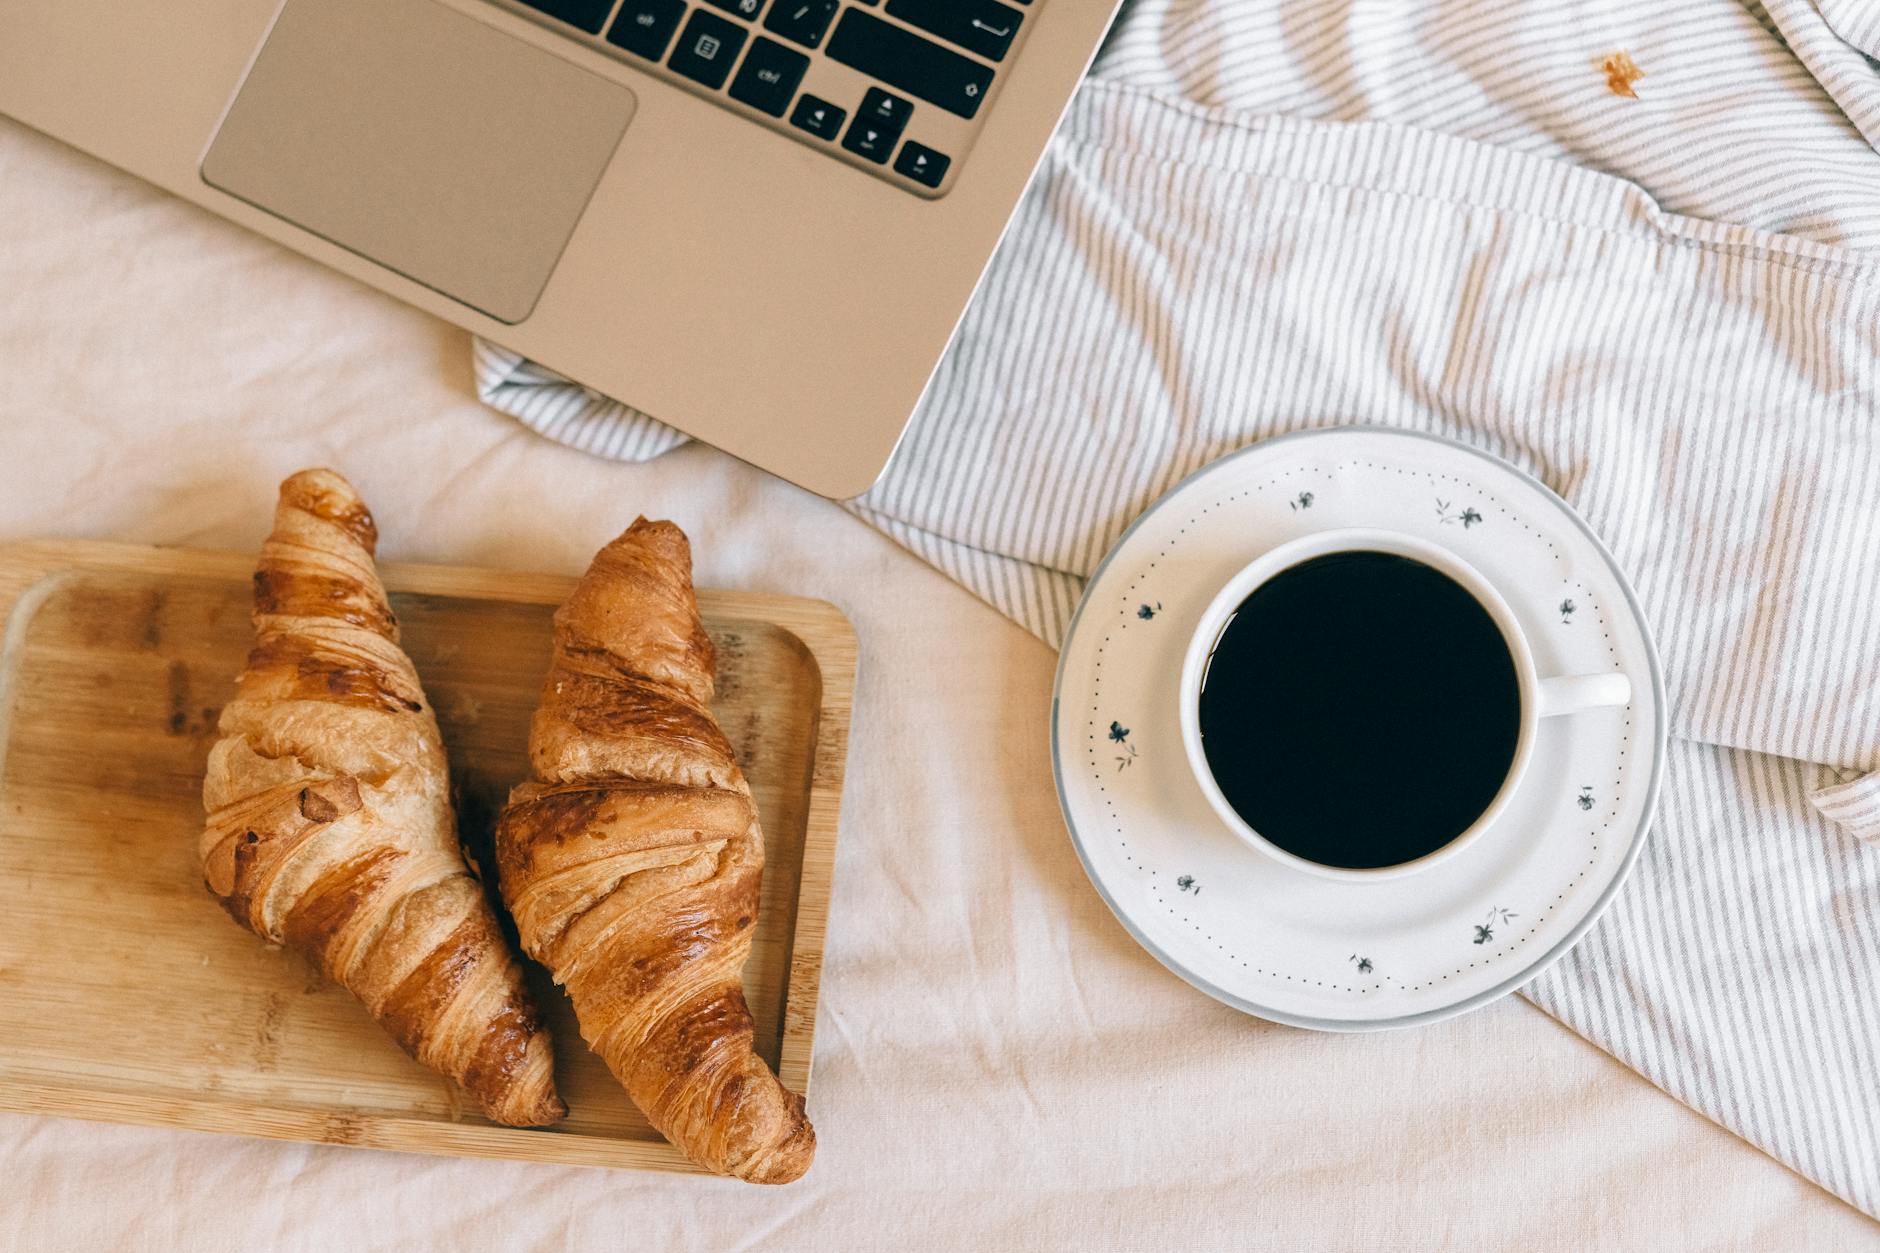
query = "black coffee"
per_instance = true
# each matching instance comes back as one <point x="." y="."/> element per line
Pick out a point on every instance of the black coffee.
<point x="1361" y="709"/>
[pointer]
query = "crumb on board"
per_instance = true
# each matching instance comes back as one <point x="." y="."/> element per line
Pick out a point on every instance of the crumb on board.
<point x="1621" y="72"/>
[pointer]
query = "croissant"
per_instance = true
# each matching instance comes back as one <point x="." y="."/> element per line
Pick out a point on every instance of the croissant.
<point x="329" y="818"/>
<point x="631" y="862"/>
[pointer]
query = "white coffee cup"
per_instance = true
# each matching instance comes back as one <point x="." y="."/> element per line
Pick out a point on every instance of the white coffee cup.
<point x="1549" y="697"/>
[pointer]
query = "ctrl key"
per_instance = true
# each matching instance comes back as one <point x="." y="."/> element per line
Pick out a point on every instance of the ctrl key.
<point x="769" y="77"/>
<point x="922" y="164"/>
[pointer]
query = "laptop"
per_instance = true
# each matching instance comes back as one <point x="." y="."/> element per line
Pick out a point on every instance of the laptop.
<point x="756" y="220"/>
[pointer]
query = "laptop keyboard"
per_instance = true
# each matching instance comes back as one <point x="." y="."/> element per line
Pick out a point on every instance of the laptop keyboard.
<point x="893" y="88"/>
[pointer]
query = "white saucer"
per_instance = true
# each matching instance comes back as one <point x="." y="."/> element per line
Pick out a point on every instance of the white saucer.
<point x="1285" y="944"/>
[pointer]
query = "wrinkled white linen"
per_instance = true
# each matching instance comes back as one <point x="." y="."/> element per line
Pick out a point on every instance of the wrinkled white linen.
<point x="997" y="1065"/>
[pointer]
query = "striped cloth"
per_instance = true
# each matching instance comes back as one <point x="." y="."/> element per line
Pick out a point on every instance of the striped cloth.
<point x="1440" y="217"/>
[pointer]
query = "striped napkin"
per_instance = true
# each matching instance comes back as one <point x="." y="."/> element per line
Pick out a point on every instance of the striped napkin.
<point x="1633" y="249"/>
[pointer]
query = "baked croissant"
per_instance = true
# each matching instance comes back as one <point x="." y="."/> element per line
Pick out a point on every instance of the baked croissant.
<point x="329" y="817"/>
<point x="631" y="862"/>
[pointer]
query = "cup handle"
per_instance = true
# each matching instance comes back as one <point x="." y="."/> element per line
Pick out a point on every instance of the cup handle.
<point x="1572" y="693"/>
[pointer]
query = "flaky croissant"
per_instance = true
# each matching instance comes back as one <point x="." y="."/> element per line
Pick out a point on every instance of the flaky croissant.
<point x="329" y="818"/>
<point x="631" y="862"/>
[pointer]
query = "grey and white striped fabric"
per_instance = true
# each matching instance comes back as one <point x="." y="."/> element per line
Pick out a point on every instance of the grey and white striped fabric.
<point x="1260" y="218"/>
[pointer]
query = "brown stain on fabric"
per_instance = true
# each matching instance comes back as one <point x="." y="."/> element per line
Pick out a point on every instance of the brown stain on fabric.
<point x="1621" y="72"/>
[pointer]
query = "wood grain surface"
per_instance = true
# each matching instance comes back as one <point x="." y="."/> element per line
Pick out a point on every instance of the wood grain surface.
<point x="127" y="995"/>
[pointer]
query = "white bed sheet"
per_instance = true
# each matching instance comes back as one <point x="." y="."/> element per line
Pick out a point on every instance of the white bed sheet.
<point x="997" y="1065"/>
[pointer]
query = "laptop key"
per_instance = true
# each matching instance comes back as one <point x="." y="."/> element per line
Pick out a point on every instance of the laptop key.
<point x="933" y="51"/>
<point x="870" y="139"/>
<point x="707" y="47"/>
<point x="909" y="63"/>
<point x="748" y="9"/>
<point x="818" y="117"/>
<point x="878" y="123"/>
<point x="804" y="21"/>
<point x="769" y="76"/>
<point x="587" y="15"/>
<point x="922" y="164"/>
<point x="889" y="110"/>
<point x="982" y="26"/>
<point x="645" y="27"/>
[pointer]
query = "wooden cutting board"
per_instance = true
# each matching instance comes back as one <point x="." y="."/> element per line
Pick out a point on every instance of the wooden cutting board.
<point x="126" y="993"/>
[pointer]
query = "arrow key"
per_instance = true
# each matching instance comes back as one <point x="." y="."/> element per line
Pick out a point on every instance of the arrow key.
<point x="887" y="109"/>
<point x="818" y="117"/>
<point x="877" y="126"/>
<point x="869" y="139"/>
<point x="922" y="164"/>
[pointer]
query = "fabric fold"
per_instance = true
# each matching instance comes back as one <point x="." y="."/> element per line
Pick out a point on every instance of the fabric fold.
<point x="1853" y="805"/>
<point x="1838" y="42"/>
<point x="567" y="412"/>
<point x="1857" y="22"/>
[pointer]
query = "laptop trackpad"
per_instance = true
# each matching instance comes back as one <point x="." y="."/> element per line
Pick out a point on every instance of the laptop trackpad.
<point x="421" y="139"/>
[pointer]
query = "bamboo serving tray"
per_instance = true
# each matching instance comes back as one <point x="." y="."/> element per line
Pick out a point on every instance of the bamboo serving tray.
<point x="126" y="994"/>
